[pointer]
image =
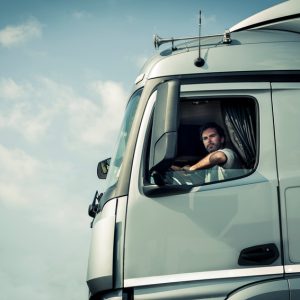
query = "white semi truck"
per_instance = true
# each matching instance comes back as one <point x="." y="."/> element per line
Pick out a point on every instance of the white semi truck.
<point x="164" y="234"/>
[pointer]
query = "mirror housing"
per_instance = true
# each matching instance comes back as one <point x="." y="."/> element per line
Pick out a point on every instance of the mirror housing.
<point x="163" y="147"/>
<point x="102" y="168"/>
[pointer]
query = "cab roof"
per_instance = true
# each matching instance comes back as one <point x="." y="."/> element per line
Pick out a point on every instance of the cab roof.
<point x="267" y="41"/>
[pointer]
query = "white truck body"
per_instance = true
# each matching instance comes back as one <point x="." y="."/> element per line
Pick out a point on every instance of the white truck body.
<point x="182" y="238"/>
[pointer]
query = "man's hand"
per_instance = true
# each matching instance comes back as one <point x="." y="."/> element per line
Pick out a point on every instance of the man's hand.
<point x="184" y="168"/>
<point x="175" y="168"/>
<point x="193" y="168"/>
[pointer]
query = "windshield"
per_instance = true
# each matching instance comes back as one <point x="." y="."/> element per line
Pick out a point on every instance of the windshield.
<point x="117" y="159"/>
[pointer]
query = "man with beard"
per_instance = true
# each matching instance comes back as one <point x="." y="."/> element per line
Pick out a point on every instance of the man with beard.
<point x="220" y="163"/>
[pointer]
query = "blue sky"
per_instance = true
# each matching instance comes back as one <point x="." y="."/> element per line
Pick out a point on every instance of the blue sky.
<point x="66" y="70"/>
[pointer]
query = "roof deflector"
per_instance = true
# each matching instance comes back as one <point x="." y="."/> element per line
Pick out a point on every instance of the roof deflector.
<point x="284" y="16"/>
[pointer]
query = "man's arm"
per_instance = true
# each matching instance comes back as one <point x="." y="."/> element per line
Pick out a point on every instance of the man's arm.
<point x="212" y="159"/>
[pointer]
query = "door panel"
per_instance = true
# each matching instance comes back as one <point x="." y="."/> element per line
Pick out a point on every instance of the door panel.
<point x="272" y="290"/>
<point x="215" y="290"/>
<point x="286" y="103"/>
<point x="295" y="288"/>
<point x="198" y="236"/>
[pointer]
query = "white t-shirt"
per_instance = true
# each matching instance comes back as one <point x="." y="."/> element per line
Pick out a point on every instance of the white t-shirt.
<point x="232" y="168"/>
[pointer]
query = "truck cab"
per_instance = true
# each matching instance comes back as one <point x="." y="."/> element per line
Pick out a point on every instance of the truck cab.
<point x="160" y="232"/>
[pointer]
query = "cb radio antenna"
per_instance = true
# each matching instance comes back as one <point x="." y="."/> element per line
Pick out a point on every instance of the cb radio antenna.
<point x="199" y="61"/>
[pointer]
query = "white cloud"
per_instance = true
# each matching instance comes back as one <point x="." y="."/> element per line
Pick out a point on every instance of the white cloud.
<point x="9" y="89"/>
<point x="112" y="95"/>
<point x="15" y="35"/>
<point x="17" y="170"/>
<point x="31" y="125"/>
<point x="17" y="164"/>
<point x="40" y="106"/>
<point x="44" y="219"/>
<point x="107" y="117"/>
<point x="20" y="114"/>
<point x="27" y="115"/>
<point x="11" y="194"/>
<point x="90" y="120"/>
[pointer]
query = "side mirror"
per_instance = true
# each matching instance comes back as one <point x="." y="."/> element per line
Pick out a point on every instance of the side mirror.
<point x="102" y="168"/>
<point x="163" y="148"/>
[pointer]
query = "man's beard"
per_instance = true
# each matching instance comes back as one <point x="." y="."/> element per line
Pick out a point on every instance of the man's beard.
<point x="212" y="147"/>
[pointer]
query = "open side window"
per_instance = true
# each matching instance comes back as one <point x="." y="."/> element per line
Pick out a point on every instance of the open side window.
<point x="237" y="116"/>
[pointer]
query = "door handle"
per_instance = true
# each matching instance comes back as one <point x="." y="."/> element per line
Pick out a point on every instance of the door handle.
<point x="258" y="255"/>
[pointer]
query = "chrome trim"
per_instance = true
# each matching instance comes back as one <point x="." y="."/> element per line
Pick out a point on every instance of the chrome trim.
<point x="139" y="78"/>
<point x="292" y="269"/>
<point x="232" y="273"/>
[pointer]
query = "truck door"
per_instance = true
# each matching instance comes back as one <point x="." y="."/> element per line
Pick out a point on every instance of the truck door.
<point x="286" y="102"/>
<point x="208" y="240"/>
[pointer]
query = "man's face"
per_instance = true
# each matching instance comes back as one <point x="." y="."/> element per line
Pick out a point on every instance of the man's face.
<point x="212" y="140"/>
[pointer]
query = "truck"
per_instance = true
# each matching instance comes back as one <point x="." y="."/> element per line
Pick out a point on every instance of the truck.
<point x="160" y="233"/>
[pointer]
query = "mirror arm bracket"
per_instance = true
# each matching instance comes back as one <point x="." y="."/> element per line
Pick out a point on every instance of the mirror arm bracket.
<point x="94" y="207"/>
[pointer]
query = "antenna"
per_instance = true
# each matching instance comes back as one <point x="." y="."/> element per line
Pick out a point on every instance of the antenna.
<point x="199" y="61"/>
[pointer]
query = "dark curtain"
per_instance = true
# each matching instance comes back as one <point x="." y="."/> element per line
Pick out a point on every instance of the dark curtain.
<point x="239" y="118"/>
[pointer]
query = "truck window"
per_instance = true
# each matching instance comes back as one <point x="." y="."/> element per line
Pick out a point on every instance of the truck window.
<point x="216" y="141"/>
<point x="117" y="158"/>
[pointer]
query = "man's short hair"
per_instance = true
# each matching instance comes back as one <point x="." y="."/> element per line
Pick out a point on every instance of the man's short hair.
<point x="215" y="126"/>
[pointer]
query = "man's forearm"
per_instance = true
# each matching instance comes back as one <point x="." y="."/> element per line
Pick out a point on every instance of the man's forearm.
<point x="202" y="164"/>
<point x="212" y="159"/>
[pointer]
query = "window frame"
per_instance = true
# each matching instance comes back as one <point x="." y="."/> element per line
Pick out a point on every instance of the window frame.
<point x="220" y="95"/>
